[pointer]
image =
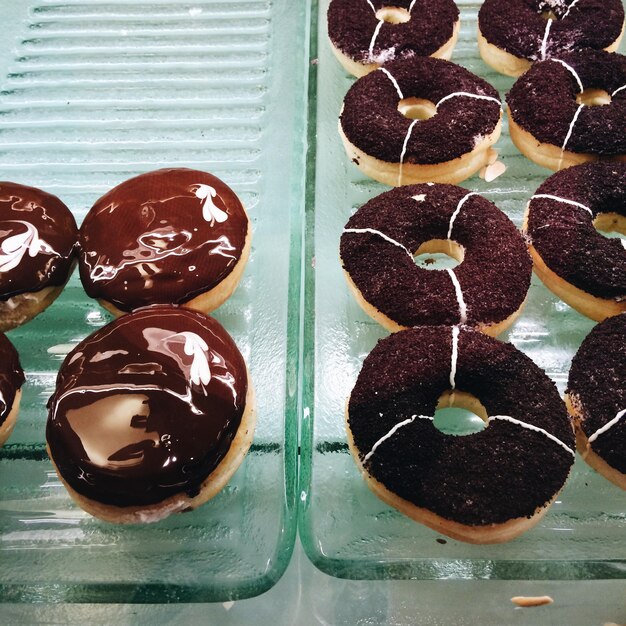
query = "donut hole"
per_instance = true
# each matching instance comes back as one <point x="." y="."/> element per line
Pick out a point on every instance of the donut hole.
<point x="594" y="97"/>
<point x="460" y="413"/>
<point x="393" y="15"/>
<point x="548" y="14"/>
<point x="611" y="225"/>
<point x="439" y="254"/>
<point x="417" y="108"/>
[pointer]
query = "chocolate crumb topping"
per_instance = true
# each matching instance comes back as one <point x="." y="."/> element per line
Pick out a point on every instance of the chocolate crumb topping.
<point x="543" y="102"/>
<point x="597" y="383"/>
<point x="11" y="376"/>
<point x="38" y="237"/>
<point x="518" y="27"/>
<point x="146" y="407"/>
<point x="371" y="120"/>
<point x="351" y="27"/>
<point x="494" y="276"/>
<point x="504" y="472"/>
<point x="564" y="235"/>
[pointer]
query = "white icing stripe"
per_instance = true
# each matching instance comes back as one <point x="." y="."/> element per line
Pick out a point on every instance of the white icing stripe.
<point x="608" y="425"/>
<point x="412" y="5"/>
<point x="373" y="41"/>
<point x="572" y="71"/>
<point x="468" y="95"/>
<point x="370" y="3"/>
<point x="550" y="436"/>
<point x="455" y="356"/>
<point x="459" y="206"/>
<point x="618" y="90"/>
<point x="392" y="432"/>
<point x="569" y="8"/>
<point x="459" y="296"/>
<point x="404" y="145"/>
<point x="547" y="196"/>
<point x="393" y="80"/>
<point x="571" y="128"/>
<point x="544" y="42"/>
<point x="372" y="231"/>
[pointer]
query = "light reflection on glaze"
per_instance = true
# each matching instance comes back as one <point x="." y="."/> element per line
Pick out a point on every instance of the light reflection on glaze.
<point x="147" y="406"/>
<point x="141" y="240"/>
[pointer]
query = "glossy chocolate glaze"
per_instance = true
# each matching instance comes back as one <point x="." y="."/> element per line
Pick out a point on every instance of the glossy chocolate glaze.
<point x="494" y="275"/>
<point x="518" y="27"/>
<point x="351" y="27"/>
<point x="37" y="240"/>
<point x="505" y="471"/>
<point x="162" y="237"/>
<point x="597" y="381"/>
<point x="543" y="102"/>
<point x="11" y="376"/>
<point x="147" y="406"/>
<point x="564" y="235"/>
<point x="371" y="120"/>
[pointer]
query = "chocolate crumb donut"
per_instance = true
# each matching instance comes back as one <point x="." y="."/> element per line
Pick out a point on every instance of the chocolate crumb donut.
<point x="420" y="119"/>
<point x="172" y="236"/>
<point x="11" y="381"/>
<point x="152" y="414"/>
<point x="486" y="290"/>
<point x="570" y="109"/>
<point x="512" y="34"/>
<point x="364" y="34"/>
<point x="38" y="237"/>
<point x="576" y="262"/>
<point x="596" y="398"/>
<point x="486" y="487"/>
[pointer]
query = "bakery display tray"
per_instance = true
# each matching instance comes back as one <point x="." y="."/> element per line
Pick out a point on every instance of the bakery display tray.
<point x="94" y="92"/>
<point x="345" y="529"/>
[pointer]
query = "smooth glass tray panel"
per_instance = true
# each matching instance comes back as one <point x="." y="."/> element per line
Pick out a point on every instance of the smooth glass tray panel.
<point x="345" y="529"/>
<point x="94" y="92"/>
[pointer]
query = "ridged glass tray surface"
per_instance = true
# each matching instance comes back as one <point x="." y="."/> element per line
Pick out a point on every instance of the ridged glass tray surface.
<point x="345" y="529"/>
<point x="92" y="93"/>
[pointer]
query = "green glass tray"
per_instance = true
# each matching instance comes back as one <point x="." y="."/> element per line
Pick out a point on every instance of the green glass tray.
<point x="346" y="530"/>
<point x="91" y="93"/>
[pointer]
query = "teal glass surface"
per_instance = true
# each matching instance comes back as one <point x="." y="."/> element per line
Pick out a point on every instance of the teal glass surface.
<point x="345" y="529"/>
<point x="92" y="93"/>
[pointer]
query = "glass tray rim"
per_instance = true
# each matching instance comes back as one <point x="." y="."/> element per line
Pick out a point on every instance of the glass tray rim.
<point x="398" y="569"/>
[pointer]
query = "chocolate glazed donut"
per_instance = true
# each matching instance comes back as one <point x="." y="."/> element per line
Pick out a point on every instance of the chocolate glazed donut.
<point x="486" y="487"/>
<point x="558" y="111"/>
<point x="576" y="262"/>
<point x="596" y="398"/>
<point x="448" y="147"/>
<point x="38" y="237"/>
<point x="364" y="34"/>
<point x="172" y="236"/>
<point x="487" y="290"/>
<point x="152" y="414"/>
<point x="514" y="33"/>
<point x="11" y="381"/>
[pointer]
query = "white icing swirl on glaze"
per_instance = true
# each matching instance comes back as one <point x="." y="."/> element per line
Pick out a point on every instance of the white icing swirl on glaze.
<point x="569" y="8"/>
<point x="569" y="132"/>
<point x="544" y="41"/>
<point x="210" y="212"/>
<point x="508" y="418"/>
<point x="607" y="426"/>
<point x="618" y="90"/>
<point x="373" y="41"/>
<point x="13" y="248"/>
<point x="455" y="356"/>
